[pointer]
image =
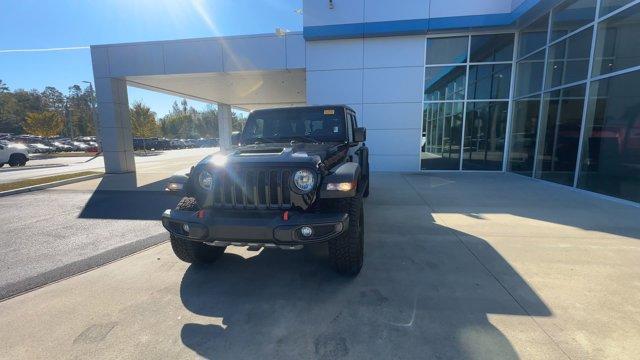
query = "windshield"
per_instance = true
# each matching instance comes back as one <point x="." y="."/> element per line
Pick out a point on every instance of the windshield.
<point x="316" y="124"/>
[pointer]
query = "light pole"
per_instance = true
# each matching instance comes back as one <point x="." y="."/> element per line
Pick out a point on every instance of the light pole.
<point x="94" y="114"/>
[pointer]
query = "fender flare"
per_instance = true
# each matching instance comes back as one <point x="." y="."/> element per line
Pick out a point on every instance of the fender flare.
<point x="347" y="172"/>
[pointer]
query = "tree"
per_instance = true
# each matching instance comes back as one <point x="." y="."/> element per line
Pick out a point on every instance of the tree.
<point x="237" y="121"/>
<point x="79" y="106"/>
<point x="53" y="100"/>
<point x="46" y="123"/>
<point x="207" y="123"/>
<point x="3" y="87"/>
<point x="8" y="108"/>
<point x="143" y="121"/>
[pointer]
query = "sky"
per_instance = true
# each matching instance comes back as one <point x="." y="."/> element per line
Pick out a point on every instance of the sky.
<point x="47" y="24"/>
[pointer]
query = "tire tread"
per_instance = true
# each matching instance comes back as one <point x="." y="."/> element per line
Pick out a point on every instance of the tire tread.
<point x="193" y="251"/>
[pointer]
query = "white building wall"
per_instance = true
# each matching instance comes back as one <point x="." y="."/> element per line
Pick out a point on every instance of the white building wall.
<point x="449" y="8"/>
<point x="318" y="12"/>
<point x="382" y="10"/>
<point x="380" y="78"/>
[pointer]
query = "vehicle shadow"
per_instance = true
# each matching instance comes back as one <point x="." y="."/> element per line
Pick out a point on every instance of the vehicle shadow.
<point x="118" y="197"/>
<point x="423" y="293"/>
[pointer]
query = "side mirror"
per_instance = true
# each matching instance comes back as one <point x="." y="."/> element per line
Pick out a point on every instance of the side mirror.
<point x="359" y="134"/>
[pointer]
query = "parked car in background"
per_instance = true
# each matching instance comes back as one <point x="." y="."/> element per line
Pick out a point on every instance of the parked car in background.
<point x="205" y="143"/>
<point x="38" y="148"/>
<point x="80" y="146"/>
<point x="163" y="144"/>
<point x="92" y="146"/>
<point x="59" y="146"/>
<point x="177" y="144"/>
<point x="13" y="154"/>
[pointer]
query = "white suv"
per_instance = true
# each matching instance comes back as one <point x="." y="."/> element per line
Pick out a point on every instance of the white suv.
<point x="13" y="154"/>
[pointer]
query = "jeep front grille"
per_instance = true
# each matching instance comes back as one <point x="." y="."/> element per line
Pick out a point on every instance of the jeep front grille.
<point x="252" y="189"/>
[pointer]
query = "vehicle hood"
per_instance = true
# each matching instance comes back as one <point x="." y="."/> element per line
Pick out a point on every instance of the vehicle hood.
<point x="310" y="154"/>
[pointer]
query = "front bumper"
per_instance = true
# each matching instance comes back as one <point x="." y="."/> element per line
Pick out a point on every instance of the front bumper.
<point x="254" y="228"/>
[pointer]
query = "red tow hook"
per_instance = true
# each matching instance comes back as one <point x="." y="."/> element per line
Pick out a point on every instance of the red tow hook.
<point x="201" y="214"/>
<point x="285" y="216"/>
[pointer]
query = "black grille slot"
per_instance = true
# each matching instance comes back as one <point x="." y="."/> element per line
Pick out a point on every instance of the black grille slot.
<point x="252" y="189"/>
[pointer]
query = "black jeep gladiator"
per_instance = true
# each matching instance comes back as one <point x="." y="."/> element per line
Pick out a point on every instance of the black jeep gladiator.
<point x="298" y="176"/>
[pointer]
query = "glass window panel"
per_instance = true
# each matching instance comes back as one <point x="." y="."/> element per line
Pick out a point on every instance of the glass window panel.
<point x="484" y="132"/>
<point x="495" y="47"/>
<point x="529" y="74"/>
<point x="534" y="36"/>
<point x="559" y="134"/>
<point x="524" y="129"/>
<point x="571" y="16"/>
<point x="451" y="50"/>
<point x="618" y="42"/>
<point x="607" y="6"/>
<point x="442" y="136"/>
<point x="611" y="146"/>
<point x="569" y="59"/>
<point x="444" y="83"/>
<point x="489" y="81"/>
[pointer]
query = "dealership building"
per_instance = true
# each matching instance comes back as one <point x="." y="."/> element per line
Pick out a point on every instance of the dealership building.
<point x="544" y="89"/>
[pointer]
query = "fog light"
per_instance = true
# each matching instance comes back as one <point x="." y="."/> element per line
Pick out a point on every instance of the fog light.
<point x="306" y="231"/>
<point x="185" y="227"/>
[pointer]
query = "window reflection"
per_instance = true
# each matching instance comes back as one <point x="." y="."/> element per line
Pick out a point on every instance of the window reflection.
<point x="489" y="81"/>
<point x="523" y="135"/>
<point x="444" y="83"/>
<point x="441" y="136"/>
<point x="534" y="36"/>
<point x="529" y="74"/>
<point x="569" y="59"/>
<point x="570" y="16"/>
<point x="611" y="147"/>
<point x="451" y="50"/>
<point x="618" y="42"/>
<point x="485" y="128"/>
<point x="559" y="134"/>
<point x="494" y="47"/>
<point x="607" y="6"/>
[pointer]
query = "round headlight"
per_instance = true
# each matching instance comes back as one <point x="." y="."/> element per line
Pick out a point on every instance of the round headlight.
<point x="304" y="180"/>
<point x="205" y="179"/>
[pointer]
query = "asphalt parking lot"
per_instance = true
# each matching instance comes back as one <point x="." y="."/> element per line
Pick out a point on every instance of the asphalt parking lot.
<point x="457" y="266"/>
<point x="157" y="160"/>
<point x="51" y="234"/>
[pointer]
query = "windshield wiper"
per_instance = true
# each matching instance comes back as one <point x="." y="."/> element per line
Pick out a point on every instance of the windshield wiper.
<point x="304" y="139"/>
<point x="261" y="141"/>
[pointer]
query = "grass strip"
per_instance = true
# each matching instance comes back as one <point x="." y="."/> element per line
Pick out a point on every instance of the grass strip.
<point x="44" y="180"/>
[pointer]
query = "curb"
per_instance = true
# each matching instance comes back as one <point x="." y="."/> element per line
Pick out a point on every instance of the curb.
<point x="50" y="185"/>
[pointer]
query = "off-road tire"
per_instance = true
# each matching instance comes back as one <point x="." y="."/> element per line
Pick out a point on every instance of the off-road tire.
<point x="17" y="160"/>
<point x="192" y="251"/>
<point x="365" y="194"/>
<point x="346" y="252"/>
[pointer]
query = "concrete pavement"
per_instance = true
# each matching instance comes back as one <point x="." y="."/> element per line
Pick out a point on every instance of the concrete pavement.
<point x="457" y="266"/>
<point x="54" y="233"/>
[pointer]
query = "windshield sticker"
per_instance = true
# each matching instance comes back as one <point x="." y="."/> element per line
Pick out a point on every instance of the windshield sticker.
<point x="329" y="111"/>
